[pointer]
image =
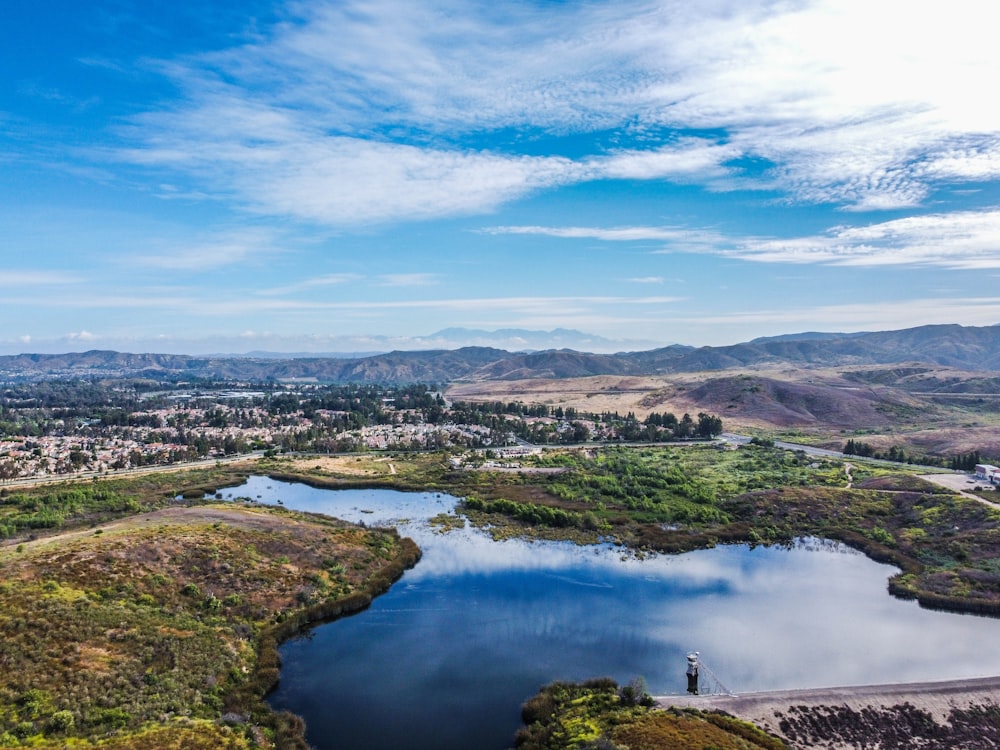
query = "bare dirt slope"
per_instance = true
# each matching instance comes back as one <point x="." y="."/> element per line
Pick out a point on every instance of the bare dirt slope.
<point x="762" y="398"/>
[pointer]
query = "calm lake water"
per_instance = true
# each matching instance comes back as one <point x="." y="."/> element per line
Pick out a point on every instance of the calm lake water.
<point x="446" y="657"/>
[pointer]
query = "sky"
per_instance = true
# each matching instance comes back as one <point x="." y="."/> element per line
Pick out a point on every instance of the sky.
<point x="330" y="175"/>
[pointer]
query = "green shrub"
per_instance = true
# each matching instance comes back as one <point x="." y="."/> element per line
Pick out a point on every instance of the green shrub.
<point x="61" y="721"/>
<point x="191" y="589"/>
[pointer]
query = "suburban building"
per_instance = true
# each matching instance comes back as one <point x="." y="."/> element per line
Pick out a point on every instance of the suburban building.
<point x="989" y="472"/>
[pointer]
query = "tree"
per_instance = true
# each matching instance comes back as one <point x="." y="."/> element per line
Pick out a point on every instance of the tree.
<point x="708" y="425"/>
<point x="685" y="428"/>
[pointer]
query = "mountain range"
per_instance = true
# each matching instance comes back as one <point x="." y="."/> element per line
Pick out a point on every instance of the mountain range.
<point x="960" y="347"/>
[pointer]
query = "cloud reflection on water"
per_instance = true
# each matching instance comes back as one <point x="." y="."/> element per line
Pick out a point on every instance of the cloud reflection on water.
<point x="478" y="626"/>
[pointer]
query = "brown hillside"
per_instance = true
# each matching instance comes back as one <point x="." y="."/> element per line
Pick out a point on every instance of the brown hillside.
<point x="926" y="410"/>
<point x="788" y="404"/>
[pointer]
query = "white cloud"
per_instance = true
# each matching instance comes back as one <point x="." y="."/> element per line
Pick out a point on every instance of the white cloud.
<point x="214" y="306"/>
<point x="409" y="279"/>
<point x="84" y="336"/>
<point x="358" y="112"/>
<point x="956" y="240"/>
<point x="959" y="240"/>
<point x="693" y="240"/>
<point x="11" y="278"/>
<point x="212" y="251"/>
<point x="331" y="279"/>
<point x="646" y="280"/>
<point x="689" y="159"/>
<point x="348" y="181"/>
<point x="868" y="316"/>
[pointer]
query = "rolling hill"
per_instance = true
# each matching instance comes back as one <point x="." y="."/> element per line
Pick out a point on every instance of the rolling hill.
<point x="954" y="346"/>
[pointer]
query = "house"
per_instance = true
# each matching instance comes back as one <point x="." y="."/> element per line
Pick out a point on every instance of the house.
<point x="988" y="472"/>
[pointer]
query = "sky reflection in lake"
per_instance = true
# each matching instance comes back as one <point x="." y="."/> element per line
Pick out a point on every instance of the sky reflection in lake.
<point x="447" y="656"/>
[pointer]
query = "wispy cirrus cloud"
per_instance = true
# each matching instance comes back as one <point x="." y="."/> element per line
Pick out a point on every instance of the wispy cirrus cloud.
<point x="31" y="278"/>
<point x="214" y="250"/>
<point x="362" y="112"/>
<point x="344" y="180"/>
<point x="681" y="238"/>
<point x="317" y="282"/>
<point x="956" y="240"/>
<point x="612" y="234"/>
<point x="409" y="279"/>
<point x="867" y="316"/>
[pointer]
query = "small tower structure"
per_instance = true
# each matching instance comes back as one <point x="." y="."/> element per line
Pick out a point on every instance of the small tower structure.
<point x="692" y="672"/>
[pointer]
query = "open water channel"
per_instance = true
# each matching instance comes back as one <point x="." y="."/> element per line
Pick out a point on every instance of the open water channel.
<point x="446" y="657"/>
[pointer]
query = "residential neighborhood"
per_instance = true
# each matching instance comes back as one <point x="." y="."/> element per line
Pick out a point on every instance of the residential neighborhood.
<point x="62" y="428"/>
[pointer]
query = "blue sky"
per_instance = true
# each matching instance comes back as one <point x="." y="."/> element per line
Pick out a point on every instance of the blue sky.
<point x="317" y="176"/>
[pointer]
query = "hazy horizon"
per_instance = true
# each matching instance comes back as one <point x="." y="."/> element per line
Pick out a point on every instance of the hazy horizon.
<point x="513" y="340"/>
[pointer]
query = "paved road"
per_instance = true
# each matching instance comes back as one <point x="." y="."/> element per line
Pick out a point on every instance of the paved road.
<point x="810" y="450"/>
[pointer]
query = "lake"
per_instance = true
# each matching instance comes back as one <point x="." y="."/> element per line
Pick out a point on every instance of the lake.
<point x="446" y="657"/>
